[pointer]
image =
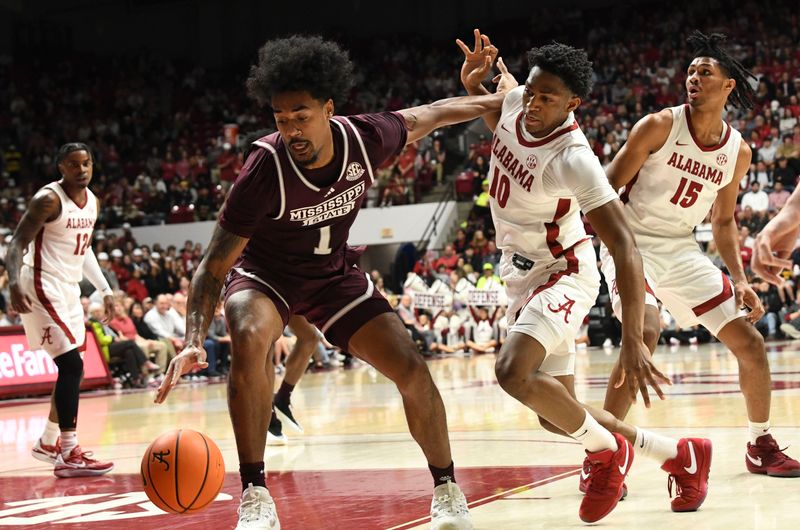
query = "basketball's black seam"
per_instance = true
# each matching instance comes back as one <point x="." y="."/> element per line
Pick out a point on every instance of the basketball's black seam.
<point x="177" y="491"/>
<point x="205" y="476"/>
<point x="149" y="474"/>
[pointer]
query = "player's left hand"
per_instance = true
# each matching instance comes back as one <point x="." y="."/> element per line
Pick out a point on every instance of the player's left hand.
<point x="747" y="297"/>
<point x="108" y="302"/>
<point x="637" y="371"/>
<point x="478" y="61"/>
<point x="504" y="80"/>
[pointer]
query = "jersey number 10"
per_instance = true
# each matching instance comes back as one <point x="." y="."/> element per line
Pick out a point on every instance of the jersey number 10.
<point x="501" y="187"/>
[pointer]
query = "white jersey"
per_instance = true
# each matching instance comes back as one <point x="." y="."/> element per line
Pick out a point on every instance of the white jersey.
<point x="677" y="185"/>
<point x="539" y="186"/>
<point x="60" y="246"/>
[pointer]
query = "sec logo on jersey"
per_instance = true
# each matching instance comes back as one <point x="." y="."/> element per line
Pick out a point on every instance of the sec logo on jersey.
<point x="354" y="171"/>
<point x="722" y="159"/>
<point x="531" y="162"/>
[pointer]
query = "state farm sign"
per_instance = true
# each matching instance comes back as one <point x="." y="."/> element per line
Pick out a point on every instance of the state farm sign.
<point x="26" y="371"/>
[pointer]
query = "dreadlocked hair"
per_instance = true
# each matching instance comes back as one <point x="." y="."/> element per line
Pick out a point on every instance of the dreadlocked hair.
<point x="299" y="63"/>
<point x="703" y="45"/>
<point x="570" y="64"/>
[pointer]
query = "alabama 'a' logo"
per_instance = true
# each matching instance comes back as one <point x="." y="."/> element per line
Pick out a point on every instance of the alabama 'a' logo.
<point x="46" y="337"/>
<point x="566" y="307"/>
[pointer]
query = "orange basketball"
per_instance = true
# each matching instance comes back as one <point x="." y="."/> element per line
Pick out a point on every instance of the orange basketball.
<point x="182" y="471"/>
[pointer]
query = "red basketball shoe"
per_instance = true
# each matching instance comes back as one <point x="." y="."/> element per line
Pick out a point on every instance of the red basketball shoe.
<point x="79" y="464"/>
<point x="586" y="476"/>
<point x="689" y="471"/>
<point x="46" y="453"/>
<point x="608" y="472"/>
<point x="765" y="458"/>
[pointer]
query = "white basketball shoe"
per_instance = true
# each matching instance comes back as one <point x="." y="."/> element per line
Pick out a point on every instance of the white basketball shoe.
<point x="449" y="509"/>
<point x="257" y="510"/>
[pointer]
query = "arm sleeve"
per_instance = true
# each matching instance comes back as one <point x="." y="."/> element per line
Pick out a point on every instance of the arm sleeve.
<point x="93" y="273"/>
<point x="252" y="195"/>
<point x="577" y="171"/>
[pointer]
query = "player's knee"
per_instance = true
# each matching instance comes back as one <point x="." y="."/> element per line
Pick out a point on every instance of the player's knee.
<point x="508" y="376"/>
<point x="249" y="335"/>
<point x="751" y="349"/>
<point x="413" y="373"/>
<point x="70" y="365"/>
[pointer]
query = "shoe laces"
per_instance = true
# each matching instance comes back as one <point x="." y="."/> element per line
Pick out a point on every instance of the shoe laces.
<point x="775" y="451"/>
<point x="598" y="480"/>
<point x="254" y="507"/>
<point x="450" y="503"/>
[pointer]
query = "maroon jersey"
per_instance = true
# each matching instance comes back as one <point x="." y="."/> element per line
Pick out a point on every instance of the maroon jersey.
<point x="298" y="219"/>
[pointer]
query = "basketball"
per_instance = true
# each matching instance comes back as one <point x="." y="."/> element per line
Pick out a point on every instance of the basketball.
<point x="182" y="471"/>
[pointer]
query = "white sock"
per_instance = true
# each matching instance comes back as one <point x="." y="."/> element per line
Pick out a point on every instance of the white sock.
<point x="652" y="445"/>
<point x="757" y="429"/>
<point x="50" y="434"/>
<point x="594" y="436"/>
<point x="69" y="439"/>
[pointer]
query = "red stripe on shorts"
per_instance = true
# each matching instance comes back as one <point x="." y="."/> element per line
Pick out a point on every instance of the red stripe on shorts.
<point x="727" y="292"/>
<point x="37" y="283"/>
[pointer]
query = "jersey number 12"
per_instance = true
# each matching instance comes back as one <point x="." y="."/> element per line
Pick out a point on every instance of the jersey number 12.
<point x="81" y="243"/>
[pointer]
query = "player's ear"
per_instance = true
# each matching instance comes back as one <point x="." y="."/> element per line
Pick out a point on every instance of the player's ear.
<point x="573" y="103"/>
<point x="328" y="108"/>
<point x="730" y="84"/>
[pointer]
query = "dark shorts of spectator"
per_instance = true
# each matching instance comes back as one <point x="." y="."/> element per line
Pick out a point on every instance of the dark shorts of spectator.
<point x="337" y="306"/>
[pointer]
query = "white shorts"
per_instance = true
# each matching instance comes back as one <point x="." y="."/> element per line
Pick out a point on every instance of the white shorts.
<point x="55" y="323"/>
<point x="551" y="301"/>
<point x="689" y="285"/>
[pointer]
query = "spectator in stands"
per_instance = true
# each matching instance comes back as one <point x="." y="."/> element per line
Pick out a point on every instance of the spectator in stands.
<point x="756" y="199"/>
<point x="10" y="318"/>
<point x="788" y="149"/>
<point x="480" y="206"/>
<point x="136" y="287"/>
<point x="448" y="258"/>
<point x="767" y="153"/>
<point x="784" y="173"/>
<point x="493" y="254"/>
<point x="752" y="220"/>
<point x="759" y="173"/>
<point x="136" y="313"/>
<point x="461" y="243"/>
<point x="768" y="325"/>
<point x="120" y="270"/>
<point x="126" y="329"/>
<point x="119" y="351"/>
<point x="218" y="333"/>
<point x="489" y="280"/>
<point x="483" y="339"/>
<point x="778" y="197"/>
<point x="108" y="272"/>
<point x="164" y="323"/>
<point x="480" y="170"/>
<point x="406" y="313"/>
<point x="479" y="244"/>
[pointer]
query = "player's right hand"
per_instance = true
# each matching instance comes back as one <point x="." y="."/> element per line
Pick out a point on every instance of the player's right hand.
<point x="770" y="253"/>
<point x="191" y="357"/>
<point x="478" y="61"/>
<point x="637" y="371"/>
<point x="20" y="302"/>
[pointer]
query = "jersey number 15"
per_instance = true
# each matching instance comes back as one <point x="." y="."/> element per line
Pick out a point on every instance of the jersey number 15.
<point x="686" y="196"/>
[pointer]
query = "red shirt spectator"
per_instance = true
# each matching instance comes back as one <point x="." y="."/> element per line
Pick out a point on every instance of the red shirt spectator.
<point x="136" y="287"/>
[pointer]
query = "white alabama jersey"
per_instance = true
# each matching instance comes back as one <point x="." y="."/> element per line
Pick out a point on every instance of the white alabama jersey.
<point x="677" y="185"/>
<point x="538" y="186"/>
<point x="60" y="246"/>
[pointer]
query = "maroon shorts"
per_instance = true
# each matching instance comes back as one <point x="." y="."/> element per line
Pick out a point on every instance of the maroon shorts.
<point x="337" y="306"/>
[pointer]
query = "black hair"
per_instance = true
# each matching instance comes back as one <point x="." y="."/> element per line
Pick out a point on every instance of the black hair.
<point x="703" y="45"/>
<point x="71" y="147"/>
<point x="572" y="65"/>
<point x="299" y="63"/>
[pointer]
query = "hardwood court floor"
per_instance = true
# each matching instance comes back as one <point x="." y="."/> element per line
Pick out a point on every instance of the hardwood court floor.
<point x="356" y="466"/>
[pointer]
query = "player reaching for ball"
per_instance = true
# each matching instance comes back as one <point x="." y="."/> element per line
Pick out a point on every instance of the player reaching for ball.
<point x="280" y="249"/>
